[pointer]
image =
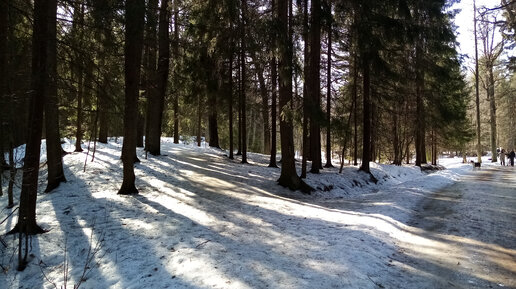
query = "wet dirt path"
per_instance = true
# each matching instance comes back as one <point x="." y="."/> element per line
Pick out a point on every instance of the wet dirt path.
<point x="465" y="235"/>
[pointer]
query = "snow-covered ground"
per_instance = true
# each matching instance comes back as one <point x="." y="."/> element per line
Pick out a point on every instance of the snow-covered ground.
<point x="204" y="221"/>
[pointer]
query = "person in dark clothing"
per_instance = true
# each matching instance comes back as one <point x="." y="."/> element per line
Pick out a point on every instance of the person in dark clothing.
<point x="511" y="157"/>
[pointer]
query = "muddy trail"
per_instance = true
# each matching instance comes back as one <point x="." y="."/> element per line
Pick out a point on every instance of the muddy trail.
<point x="465" y="235"/>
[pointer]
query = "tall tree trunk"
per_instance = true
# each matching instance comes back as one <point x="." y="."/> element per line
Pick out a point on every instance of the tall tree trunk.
<point x="355" y="109"/>
<point x="134" y="16"/>
<point x="175" y="47"/>
<point x="306" y="101"/>
<point x="366" y="149"/>
<point x="102" y="99"/>
<point x="162" y="75"/>
<point x="265" y="107"/>
<point x="39" y="90"/>
<point x="274" y="109"/>
<point x="54" y="149"/>
<point x="420" y="117"/>
<point x="199" y="119"/>
<point x="230" y="112"/>
<point x="230" y="93"/>
<point x="374" y="117"/>
<point x="314" y="89"/>
<point x="274" y="84"/>
<point x="477" y="97"/>
<point x="78" y="71"/>
<point x="396" y="138"/>
<point x="4" y="83"/>
<point x="239" y="77"/>
<point x="212" y="92"/>
<point x="492" y="111"/>
<point x="243" y="80"/>
<point x="328" y="95"/>
<point x="80" y="113"/>
<point x="151" y="77"/>
<point x="288" y="177"/>
<point x="12" y="174"/>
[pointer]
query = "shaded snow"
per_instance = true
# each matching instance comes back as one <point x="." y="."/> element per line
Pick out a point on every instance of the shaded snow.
<point x="204" y="221"/>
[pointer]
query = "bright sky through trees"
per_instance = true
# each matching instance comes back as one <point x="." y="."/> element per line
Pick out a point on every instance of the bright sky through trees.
<point x="464" y="21"/>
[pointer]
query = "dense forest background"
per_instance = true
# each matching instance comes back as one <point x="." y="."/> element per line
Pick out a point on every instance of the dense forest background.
<point x="356" y="80"/>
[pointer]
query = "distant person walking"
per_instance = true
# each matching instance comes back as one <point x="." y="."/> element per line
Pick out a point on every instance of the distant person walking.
<point x="511" y="157"/>
<point x="502" y="157"/>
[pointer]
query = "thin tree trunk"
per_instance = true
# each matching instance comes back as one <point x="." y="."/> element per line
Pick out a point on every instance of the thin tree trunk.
<point x="374" y="127"/>
<point x="265" y="108"/>
<point x="492" y="111"/>
<point x="274" y="84"/>
<point x="355" y="109"/>
<point x="80" y="118"/>
<point x="274" y="109"/>
<point x="477" y="97"/>
<point x="314" y="89"/>
<point x="151" y="79"/>
<point x="102" y="100"/>
<point x="243" y="86"/>
<point x="199" y="119"/>
<point x="239" y="151"/>
<point x="134" y="15"/>
<point x="366" y="149"/>
<point x="328" y="96"/>
<point x="78" y="68"/>
<point x="230" y="95"/>
<point x="306" y="102"/>
<point x="12" y="175"/>
<point x="175" y="48"/>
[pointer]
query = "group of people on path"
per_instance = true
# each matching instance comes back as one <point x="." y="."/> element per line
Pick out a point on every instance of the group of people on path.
<point x="510" y="155"/>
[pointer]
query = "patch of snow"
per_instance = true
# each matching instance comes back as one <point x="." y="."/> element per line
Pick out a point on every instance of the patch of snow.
<point x="204" y="221"/>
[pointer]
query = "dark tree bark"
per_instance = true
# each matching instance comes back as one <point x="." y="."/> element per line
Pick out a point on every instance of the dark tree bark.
<point x="157" y="97"/>
<point x="103" y="106"/>
<point x="274" y="84"/>
<point x="306" y="101"/>
<point x="78" y="72"/>
<point x="12" y="175"/>
<point x="54" y="149"/>
<point x="140" y="128"/>
<point x="288" y="177"/>
<point x="420" y="118"/>
<point x="212" y="90"/>
<point x="175" y="47"/>
<point x="152" y="93"/>
<point x="374" y="127"/>
<point x="490" y="90"/>
<point x="243" y="100"/>
<point x="265" y="107"/>
<point x="366" y="149"/>
<point x="103" y="117"/>
<point x="39" y="90"/>
<point x="4" y="83"/>
<point x="199" y="119"/>
<point x="239" y="60"/>
<point x="328" y="96"/>
<point x="230" y="94"/>
<point x="134" y="16"/>
<point x="80" y="114"/>
<point x="314" y="89"/>
<point x="355" y="109"/>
